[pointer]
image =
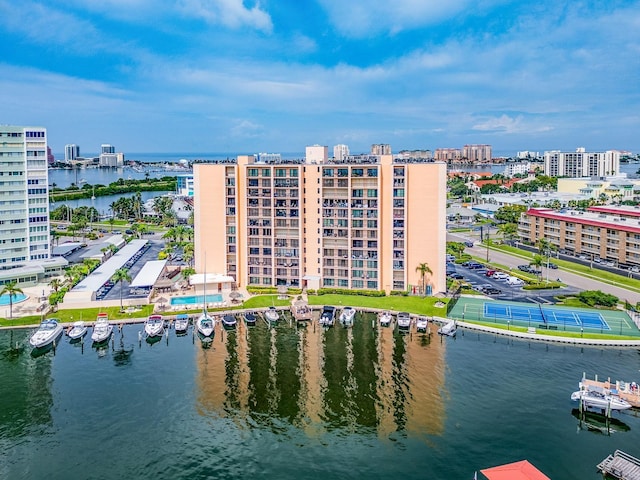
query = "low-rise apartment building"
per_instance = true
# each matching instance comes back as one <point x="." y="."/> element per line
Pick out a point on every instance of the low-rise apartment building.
<point x="609" y="232"/>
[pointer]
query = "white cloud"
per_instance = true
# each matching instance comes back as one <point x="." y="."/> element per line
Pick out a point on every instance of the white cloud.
<point x="508" y="125"/>
<point x="231" y="13"/>
<point x="247" y="129"/>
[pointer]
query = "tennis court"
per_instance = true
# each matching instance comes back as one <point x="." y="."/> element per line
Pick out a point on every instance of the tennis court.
<point x="547" y="317"/>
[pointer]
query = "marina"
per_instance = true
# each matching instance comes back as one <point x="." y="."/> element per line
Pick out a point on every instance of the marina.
<point x="290" y="394"/>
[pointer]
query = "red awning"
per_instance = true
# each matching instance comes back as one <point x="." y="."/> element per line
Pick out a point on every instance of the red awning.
<point x="522" y="470"/>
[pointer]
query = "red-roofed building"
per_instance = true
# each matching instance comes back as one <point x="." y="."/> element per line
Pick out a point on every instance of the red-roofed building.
<point x="476" y="185"/>
<point x="611" y="233"/>
<point x="522" y="470"/>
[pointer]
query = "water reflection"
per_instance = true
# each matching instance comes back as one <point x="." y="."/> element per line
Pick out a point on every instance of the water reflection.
<point x="596" y="423"/>
<point x="342" y="379"/>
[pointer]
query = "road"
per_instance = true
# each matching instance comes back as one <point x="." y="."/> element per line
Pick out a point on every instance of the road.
<point x="575" y="280"/>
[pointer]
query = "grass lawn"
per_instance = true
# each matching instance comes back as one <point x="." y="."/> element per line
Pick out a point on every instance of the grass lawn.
<point x="411" y="304"/>
<point x="264" y="301"/>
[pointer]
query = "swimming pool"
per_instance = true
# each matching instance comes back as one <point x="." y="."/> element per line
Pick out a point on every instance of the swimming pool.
<point x="17" y="298"/>
<point x="196" y="299"/>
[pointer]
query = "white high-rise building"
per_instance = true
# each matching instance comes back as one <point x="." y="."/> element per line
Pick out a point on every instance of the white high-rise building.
<point x="24" y="196"/>
<point x="340" y="152"/>
<point x="317" y="153"/>
<point x="71" y="152"/>
<point x="581" y="163"/>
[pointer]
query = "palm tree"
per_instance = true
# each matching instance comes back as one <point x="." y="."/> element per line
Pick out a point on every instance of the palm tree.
<point x="537" y="261"/>
<point x="423" y="269"/>
<point x="55" y="284"/>
<point x="11" y="289"/>
<point x="121" y="275"/>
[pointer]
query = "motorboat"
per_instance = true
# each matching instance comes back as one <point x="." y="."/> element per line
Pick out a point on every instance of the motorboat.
<point x="328" y="316"/>
<point x="205" y="325"/>
<point x="347" y="316"/>
<point x="404" y="321"/>
<point x="229" y="321"/>
<point x="385" y="318"/>
<point x="598" y="398"/>
<point x="46" y="333"/>
<point x="422" y="324"/>
<point x="250" y="318"/>
<point x="272" y="315"/>
<point x="154" y="326"/>
<point x="77" y="331"/>
<point x="181" y="324"/>
<point x="449" y="329"/>
<point x="102" y="329"/>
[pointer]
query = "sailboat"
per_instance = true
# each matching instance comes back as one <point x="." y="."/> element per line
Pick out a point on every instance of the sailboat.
<point x="205" y="324"/>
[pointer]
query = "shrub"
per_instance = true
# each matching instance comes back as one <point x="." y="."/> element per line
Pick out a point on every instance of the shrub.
<point x="597" y="297"/>
<point x="344" y="291"/>
<point x="399" y="293"/>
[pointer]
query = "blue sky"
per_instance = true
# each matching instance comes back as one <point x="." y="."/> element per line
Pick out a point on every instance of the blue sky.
<point x="243" y="77"/>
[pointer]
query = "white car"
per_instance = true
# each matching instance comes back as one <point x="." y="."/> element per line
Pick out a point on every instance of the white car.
<point x="515" y="281"/>
<point x="500" y="275"/>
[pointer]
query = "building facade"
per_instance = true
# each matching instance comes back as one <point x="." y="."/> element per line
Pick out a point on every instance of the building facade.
<point x="610" y="233"/>
<point x="362" y="223"/>
<point x="477" y="153"/>
<point x="340" y="152"/>
<point x="71" y="152"/>
<point x="24" y="196"/>
<point x="447" y="154"/>
<point x="581" y="163"/>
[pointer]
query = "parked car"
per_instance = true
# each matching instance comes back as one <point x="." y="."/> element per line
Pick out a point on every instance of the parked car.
<point x="475" y="266"/>
<point x="553" y="266"/>
<point x="515" y="281"/>
<point x="456" y="276"/>
<point x="524" y="268"/>
<point x="500" y="275"/>
<point x="490" y="273"/>
<point x="492" y="291"/>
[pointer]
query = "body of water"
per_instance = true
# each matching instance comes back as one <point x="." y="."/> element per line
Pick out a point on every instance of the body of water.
<point x="102" y="204"/>
<point x="281" y="403"/>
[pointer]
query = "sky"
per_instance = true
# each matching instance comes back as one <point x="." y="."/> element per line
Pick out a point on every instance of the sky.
<point x="243" y="76"/>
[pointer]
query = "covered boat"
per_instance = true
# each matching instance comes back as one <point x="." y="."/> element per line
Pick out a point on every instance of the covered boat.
<point x="46" y="333"/>
<point x="328" y="316"/>
<point x="272" y="315"/>
<point x="449" y="329"/>
<point x="229" y="321"/>
<point x="422" y="324"/>
<point x="154" y="326"/>
<point x="250" y="318"/>
<point x="77" y="331"/>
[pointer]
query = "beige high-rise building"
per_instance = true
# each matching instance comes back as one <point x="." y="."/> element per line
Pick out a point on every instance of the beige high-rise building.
<point x="477" y="153"/>
<point x="361" y="223"/>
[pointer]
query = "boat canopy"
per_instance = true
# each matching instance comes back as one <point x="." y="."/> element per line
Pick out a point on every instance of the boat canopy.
<point x="522" y="470"/>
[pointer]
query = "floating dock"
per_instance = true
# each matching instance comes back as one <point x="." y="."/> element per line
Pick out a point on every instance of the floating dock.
<point x="629" y="391"/>
<point x="621" y="465"/>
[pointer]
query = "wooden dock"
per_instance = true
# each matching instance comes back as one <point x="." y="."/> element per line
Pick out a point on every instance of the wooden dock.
<point x="620" y="465"/>
<point x="629" y="391"/>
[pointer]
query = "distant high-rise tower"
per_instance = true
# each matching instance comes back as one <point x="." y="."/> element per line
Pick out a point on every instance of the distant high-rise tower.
<point x="24" y="227"/>
<point x="381" y="149"/>
<point x="71" y="152"/>
<point x="106" y="148"/>
<point x="317" y="154"/>
<point x="340" y="152"/>
<point x="477" y="153"/>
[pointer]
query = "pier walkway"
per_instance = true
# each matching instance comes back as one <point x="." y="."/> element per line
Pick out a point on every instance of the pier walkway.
<point x="621" y="465"/>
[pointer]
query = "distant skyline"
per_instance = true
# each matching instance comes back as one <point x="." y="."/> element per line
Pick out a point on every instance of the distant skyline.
<point x="273" y="76"/>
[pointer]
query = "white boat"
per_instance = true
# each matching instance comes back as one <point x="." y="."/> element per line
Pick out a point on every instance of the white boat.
<point x="78" y="330"/>
<point x="205" y="325"/>
<point x="448" y="329"/>
<point x="596" y="397"/>
<point x="328" y="316"/>
<point x="102" y="329"/>
<point x="229" y="321"/>
<point x="385" y="318"/>
<point x="46" y="333"/>
<point x="272" y="315"/>
<point x="347" y="316"/>
<point x="404" y="321"/>
<point x="181" y="324"/>
<point x="422" y="324"/>
<point x="154" y="326"/>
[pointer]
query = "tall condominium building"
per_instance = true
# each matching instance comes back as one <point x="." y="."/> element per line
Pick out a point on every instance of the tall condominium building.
<point x="106" y="148"/>
<point x="340" y="152"/>
<point x="24" y="195"/>
<point x="581" y="163"/>
<point x="71" y="152"/>
<point x="380" y="149"/>
<point x="365" y="222"/>
<point x="477" y="153"/>
<point x="447" y="154"/>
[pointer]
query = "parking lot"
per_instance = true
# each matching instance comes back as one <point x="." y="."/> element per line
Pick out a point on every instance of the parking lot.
<point x="499" y="288"/>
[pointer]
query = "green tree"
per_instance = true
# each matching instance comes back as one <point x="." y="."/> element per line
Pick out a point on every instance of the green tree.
<point x="11" y="289"/>
<point x="121" y="275"/>
<point x="423" y="269"/>
<point x="537" y="261"/>
<point x="510" y="213"/>
<point x="55" y="284"/>
<point x="509" y="231"/>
